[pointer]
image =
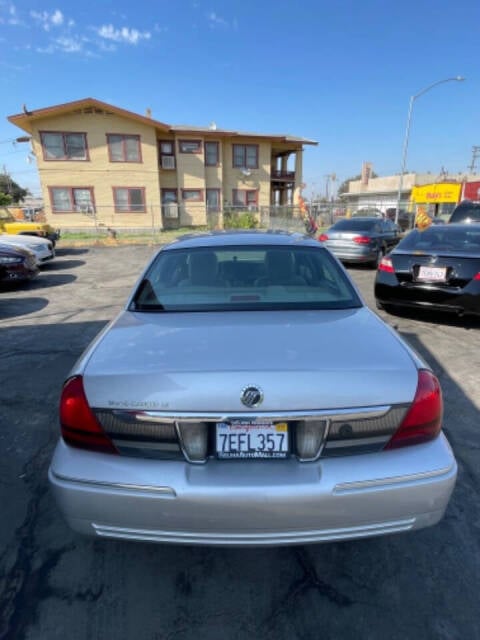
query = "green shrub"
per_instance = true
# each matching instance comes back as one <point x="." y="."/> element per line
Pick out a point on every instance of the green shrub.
<point x="239" y="220"/>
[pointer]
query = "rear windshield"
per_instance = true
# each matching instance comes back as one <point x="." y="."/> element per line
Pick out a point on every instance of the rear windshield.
<point x="443" y="238"/>
<point x="233" y="278"/>
<point x="354" y="225"/>
<point x="464" y="212"/>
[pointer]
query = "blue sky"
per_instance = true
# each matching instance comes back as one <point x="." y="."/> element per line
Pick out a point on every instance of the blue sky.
<point x="340" y="72"/>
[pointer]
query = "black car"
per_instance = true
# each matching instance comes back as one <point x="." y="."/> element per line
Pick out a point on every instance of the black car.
<point x="361" y="239"/>
<point x="438" y="268"/>
<point x="466" y="212"/>
<point x="16" y="264"/>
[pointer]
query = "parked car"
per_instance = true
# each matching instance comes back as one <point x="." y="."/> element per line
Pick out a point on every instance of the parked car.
<point x="361" y="240"/>
<point x="406" y="219"/>
<point x="42" y="248"/>
<point x="8" y="224"/>
<point x="438" y="268"/>
<point x="246" y="395"/>
<point x="467" y="211"/>
<point x="16" y="264"/>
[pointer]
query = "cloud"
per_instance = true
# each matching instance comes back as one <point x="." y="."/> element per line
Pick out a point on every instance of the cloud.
<point x="216" y="21"/>
<point x="124" y="35"/>
<point x="48" y="20"/>
<point x="69" y="44"/>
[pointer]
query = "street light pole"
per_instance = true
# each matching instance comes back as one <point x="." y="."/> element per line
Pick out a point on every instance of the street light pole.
<point x="407" y="135"/>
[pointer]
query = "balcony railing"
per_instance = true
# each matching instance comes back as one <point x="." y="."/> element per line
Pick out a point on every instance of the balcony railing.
<point x="278" y="174"/>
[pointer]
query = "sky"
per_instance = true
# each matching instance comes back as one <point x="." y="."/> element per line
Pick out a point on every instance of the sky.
<point x="340" y="72"/>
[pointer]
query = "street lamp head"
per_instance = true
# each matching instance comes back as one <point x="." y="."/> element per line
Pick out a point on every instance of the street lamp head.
<point x="460" y="78"/>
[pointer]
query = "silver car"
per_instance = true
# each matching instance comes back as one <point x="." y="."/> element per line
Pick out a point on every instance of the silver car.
<point x="361" y="239"/>
<point x="42" y="248"/>
<point x="247" y="396"/>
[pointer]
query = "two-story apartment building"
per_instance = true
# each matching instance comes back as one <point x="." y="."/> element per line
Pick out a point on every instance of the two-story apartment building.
<point x="128" y="170"/>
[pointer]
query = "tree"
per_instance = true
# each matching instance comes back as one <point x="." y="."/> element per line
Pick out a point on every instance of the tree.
<point x="5" y="200"/>
<point x="343" y="188"/>
<point x="11" y="188"/>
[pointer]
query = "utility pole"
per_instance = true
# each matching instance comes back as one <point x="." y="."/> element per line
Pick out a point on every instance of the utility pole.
<point x="475" y="155"/>
<point x="9" y="180"/>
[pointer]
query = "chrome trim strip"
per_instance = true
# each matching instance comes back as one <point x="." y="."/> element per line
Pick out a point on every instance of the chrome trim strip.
<point x="167" y="491"/>
<point x="346" y="487"/>
<point x="190" y="416"/>
<point x="286" y="537"/>
<point x="352" y="442"/>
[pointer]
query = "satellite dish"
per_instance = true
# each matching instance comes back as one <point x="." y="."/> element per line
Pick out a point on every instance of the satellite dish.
<point x="246" y="172"/>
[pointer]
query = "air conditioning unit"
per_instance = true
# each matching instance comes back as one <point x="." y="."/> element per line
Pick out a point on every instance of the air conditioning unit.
<point x="168" y="162"/>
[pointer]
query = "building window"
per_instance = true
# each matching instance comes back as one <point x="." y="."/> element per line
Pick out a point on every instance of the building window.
<point x="129" y="199"/>
<point x="124" y="148"/>
<point x="245" y="198"/>
<point x="192" y="195"/>
<point x="190" y="146"/>
<point x="72" y="199"/>
<point x="245" y="156"/>
<point x="64" y="146"/>
<point x="167" y="154"/>
<point x="213" y="200"/>
<point x="212" y="155"/>
<point x="169" y="196"/>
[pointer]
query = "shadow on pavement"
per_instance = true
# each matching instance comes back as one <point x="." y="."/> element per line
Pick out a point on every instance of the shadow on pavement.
<point x="59" y="265"/>
<point x="46" y="280"/>
<point x="13" y="307"/>
<point x="436" y="317"/>
<point x="70" y="251"/>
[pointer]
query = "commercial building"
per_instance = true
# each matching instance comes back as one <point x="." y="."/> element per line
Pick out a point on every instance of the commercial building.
<point x="438" y="194"/>
<point x="98" y="161"/>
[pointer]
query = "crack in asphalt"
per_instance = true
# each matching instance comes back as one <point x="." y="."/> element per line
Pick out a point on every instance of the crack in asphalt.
<point x="23" y="586"/>
<point x="309" y="580"/>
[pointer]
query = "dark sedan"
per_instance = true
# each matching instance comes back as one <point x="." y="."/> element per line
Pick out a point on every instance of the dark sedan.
<point x="16" y="264"/>
<point x="361" y="239"/>
<point x="438" y="268"/>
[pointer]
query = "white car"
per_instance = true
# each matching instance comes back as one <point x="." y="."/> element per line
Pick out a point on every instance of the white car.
<point x="42" y="248"/>
<point x="247" y="396"/>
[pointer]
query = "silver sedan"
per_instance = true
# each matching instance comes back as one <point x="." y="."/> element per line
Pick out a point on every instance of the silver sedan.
<point x="247" y="396"/>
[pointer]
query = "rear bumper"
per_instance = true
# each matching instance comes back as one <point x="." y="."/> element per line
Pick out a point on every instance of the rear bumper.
<point x="462" y="301"/>
<point x="251" y="502"/>
<point x="360" y="255"/>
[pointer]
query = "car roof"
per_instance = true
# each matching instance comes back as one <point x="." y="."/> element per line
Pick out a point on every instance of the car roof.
<point x="360" y="218"/>
<point x="241" y="237"/>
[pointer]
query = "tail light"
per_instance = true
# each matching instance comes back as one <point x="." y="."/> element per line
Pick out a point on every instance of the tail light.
<point x="80" y="428"/>
<point x="362" y="239"/>
<point x="477" y="277"/>
<point x="386" y="265"/>
<point x="424" y="418"/>
<point x="322" y="237"/>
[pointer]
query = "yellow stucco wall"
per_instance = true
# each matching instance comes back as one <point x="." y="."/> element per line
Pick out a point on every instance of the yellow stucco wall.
<point x="102" y="175"/>
<point x="99" y="173"/>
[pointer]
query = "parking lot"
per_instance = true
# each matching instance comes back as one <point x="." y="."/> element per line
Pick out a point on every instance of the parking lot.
<point x="54" y="584"/>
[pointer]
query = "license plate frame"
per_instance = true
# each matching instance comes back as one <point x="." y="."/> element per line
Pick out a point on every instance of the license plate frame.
<point x="432" y="274"/>
<point x="242" y="440"/>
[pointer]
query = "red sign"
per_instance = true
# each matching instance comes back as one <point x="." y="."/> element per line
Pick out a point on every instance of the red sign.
<point x="471" y="191"/>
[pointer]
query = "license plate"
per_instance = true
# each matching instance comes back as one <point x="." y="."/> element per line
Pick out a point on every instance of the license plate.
<point x="432" y="274"/>
<point x="244" y="439"/>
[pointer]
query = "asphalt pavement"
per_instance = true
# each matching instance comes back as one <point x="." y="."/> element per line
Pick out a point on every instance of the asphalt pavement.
<point x="55" y="584"/>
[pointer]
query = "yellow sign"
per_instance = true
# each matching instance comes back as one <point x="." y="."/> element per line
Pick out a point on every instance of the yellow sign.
<point x="437" y="192"/>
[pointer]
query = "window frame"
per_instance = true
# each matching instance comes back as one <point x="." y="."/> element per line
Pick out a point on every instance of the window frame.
<point x="218" y="207"/>
<point x="169" y="155"/>
<point x="201" y="195"/>
<point x="144" y="204"/>
<point x="197" y="141"/>
<point x="245" y="165"/>
<point x="165" y="190"/>
<point x="247" y="204"/>
<point x="124" y="136"/>
<point x="65" y="158"/>
<point x="71" y="197"/>
<point x="217" y="145"/>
